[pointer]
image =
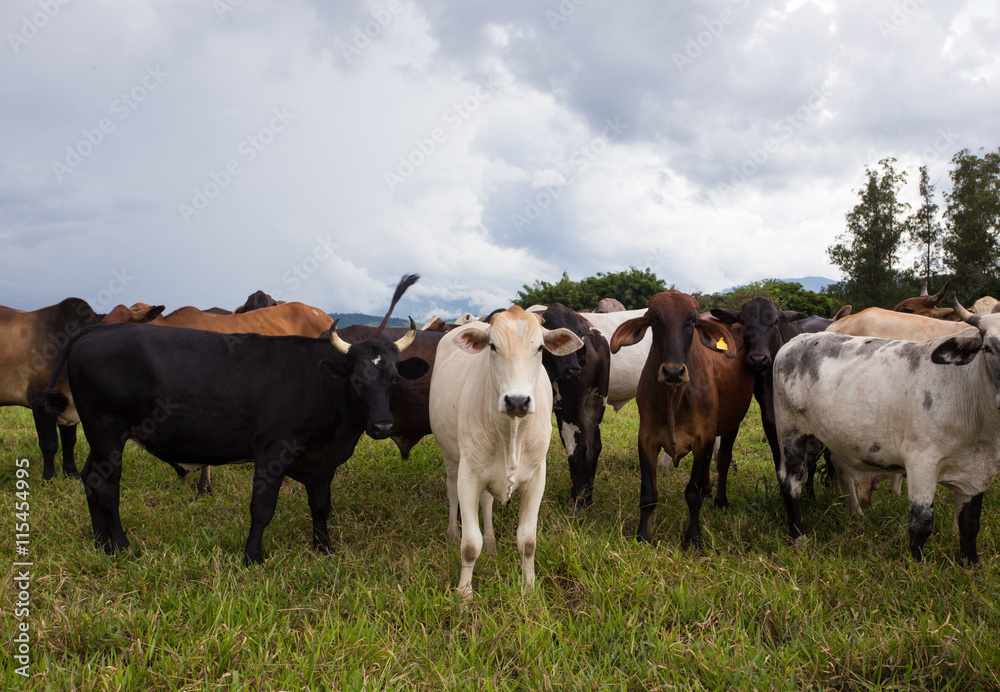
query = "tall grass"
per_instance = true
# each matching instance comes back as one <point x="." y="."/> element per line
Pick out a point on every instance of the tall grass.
<point x="850" y="610"/>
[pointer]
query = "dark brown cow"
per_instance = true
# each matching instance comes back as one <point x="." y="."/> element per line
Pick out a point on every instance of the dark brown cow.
<point x="579" y="394"/>
<point x="689" y="393"/>
<point x="256" y="301"/>
<point x="30" y="341"/>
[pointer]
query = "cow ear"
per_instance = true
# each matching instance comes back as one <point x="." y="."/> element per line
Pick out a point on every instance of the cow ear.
<point x="471" y="340"/>
<point x="629" y="332"/>
<point x="337" y="369"/>
<point x="149" y="314"/>
<point x="413" y="368"/>
<point x="561" y="342"/>
<point x="727" y="316"/>
<point x="789" y="316"/>
<point x="958" y="350"/>
<point x="715" y="337"/>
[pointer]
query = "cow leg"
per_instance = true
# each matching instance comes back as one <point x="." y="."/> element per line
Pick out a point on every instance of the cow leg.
<point x="451" y="484"/>
<point x="921" y="514"/>
<point x="318" y="493"/>
<point x="968" y="510"/>
<point x="101" y="477"/>
<point x="723" y="460"/>
<point x="489" y="539"/>
<point x="266" y="484"/>
<point x="529" y="499"/>
<point x="205" y="481"/>
<point x="469" y="491"/>
<point x="576" y="456"/>
<point x="48" y="438"/>
<point x="848" y="486"/>
<point x="67" y="438"/>
<point x="693" y="494"/>
<point x="791" y="478"/>
<point x="647" y="487"/>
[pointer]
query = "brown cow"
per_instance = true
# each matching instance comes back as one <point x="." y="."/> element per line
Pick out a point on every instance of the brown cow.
<point x="278" y="320"/>
<point x="688" y="394"/>
<point x="30" y="341"/>
<point x="256" y="301"/>
<point x="888" y="324"/>
<point x="609" y="305"/>
<point x="927" y="305"/>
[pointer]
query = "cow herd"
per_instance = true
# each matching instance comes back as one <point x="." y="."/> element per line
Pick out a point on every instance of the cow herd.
<point x="914" y="391"/>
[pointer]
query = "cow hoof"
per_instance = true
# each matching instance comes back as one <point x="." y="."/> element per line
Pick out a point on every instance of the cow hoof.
<point x="722" y="503"/>
<point x="799" y="542"/>
<point x="465" y="596"/>
<point x="489" y="547"/>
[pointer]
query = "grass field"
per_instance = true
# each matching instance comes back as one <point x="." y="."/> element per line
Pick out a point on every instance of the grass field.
<point x="848" y="611"/>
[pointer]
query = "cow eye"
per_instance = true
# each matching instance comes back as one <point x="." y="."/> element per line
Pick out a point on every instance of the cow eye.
<point x="539" y="349"/>
<point x="987" y="349"/>
<point x="493" y="347"/>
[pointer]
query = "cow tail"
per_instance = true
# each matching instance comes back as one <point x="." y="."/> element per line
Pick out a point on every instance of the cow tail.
<point x="404" y="283"/>
<point x="53" y="399"/>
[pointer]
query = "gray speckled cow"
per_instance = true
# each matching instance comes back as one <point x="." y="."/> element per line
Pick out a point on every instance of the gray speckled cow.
<point x="927" y="408"/>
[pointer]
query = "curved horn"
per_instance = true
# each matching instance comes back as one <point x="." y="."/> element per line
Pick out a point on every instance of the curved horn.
<point x="407" y="339"/>
<point x="939" y="296"/>
<point x="963" y="313"/>
<point x="337" y="342"/>
<point x="924" y="291"/>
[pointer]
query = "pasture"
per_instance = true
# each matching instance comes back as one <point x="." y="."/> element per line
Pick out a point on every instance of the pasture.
<point x="848" y="611"/>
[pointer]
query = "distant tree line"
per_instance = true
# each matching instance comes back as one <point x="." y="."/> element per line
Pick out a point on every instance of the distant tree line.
<point x="633" y="288"/>
<point x="962" y="242"/>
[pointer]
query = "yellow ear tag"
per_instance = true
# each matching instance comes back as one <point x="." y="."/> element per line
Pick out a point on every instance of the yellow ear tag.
<point x="722" y="345"/>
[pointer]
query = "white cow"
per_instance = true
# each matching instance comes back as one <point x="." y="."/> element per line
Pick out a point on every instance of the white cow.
<point x="927" y="408"/>
<point x="627" y="364"/>
<point x="491" y="412"/>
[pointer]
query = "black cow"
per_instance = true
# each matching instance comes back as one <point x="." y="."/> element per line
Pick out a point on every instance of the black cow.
<point x="579" y="394"/>
<point x="294" y="405"/>
<point x="766" y="328"/>
<point x="257" y="300"/>
<point x="409" y="396"/>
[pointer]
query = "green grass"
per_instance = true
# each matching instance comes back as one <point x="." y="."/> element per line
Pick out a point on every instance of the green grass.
<point x="848" y="611"/>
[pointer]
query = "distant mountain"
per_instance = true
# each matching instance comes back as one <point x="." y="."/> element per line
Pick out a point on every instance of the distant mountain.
<point x="349" y="319"/>
<point x="812" y="283"/>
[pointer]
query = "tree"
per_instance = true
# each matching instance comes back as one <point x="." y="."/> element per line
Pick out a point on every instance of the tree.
<point x="971" y="246"/>
<point x="789" y="295"/>
<point x="633" y="288"/>
<point x="869" y="249"/>
<point x="925" y="231"/>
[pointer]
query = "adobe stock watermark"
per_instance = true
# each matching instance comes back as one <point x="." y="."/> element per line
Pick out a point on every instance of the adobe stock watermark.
<point x="536" y="205"/>
<point x="901" y="15"/>
<point x="21" y="640"/>
<point x="696" y="45"/>
<point x="562" y="13"/>
<point x="362" y="36"/>
<point x="121" y="108"/>
<point x="32" y="24"/>
<point x="247" y="152"/>
<point x="784" y="129"/>
<point x="454" y="116"/>
<point x="223" y="8"/>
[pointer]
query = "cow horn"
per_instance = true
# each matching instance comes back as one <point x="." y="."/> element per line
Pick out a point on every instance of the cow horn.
<point x="962" y="312"/>
<point x="407" y="339"/>
<point x="337" y="342"/>
<point x="924" y="291"/>
<point x="939" y="296"/>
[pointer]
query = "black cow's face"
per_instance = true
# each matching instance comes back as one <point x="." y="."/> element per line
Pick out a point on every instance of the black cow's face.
<point x="371" y="368"/>
<point x="564" y="368"/>
<point x="762" y="321"/>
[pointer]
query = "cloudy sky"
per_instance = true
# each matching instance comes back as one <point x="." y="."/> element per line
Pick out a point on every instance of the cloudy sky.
<point x="190" y="152"/>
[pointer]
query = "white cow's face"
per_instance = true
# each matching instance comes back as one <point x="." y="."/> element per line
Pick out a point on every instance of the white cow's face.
<point x="515" y="340"/>
<point x="983" y="347"/>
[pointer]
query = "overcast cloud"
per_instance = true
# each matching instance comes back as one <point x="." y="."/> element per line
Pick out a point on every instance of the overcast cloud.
<point x="190" y="152"/>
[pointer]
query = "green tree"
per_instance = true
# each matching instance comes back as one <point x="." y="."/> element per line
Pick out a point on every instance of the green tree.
<point x="925" y="231"/>
<point x="789" y="295"/>
<point x="868" y="251"/>
<point x="633" y="288"/>
<point x="971" y="244"/>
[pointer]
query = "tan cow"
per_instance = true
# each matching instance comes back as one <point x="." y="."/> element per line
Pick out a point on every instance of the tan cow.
<point x="491" y="412"/>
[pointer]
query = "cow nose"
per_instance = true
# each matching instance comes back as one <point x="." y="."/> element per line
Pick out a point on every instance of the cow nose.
<point x="516" y="405"/>
<point x="574" y="372"/>
<point x="673" y="373"/>
<point x="759" y="361"/>
<point x="380" y="431"/>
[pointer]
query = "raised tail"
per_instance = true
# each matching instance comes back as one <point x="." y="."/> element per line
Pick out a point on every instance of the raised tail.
<point x="404" y="283"/>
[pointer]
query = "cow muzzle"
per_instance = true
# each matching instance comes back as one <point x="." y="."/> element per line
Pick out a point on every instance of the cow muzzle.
<point x="380" y="431"/>
<point x="673" y="374"/>
<point x="517" y="405"/>
<point x="758" y="362"/>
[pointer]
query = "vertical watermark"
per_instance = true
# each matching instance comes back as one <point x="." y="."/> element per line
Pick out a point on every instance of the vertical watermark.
<point x="22" y="568"/>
